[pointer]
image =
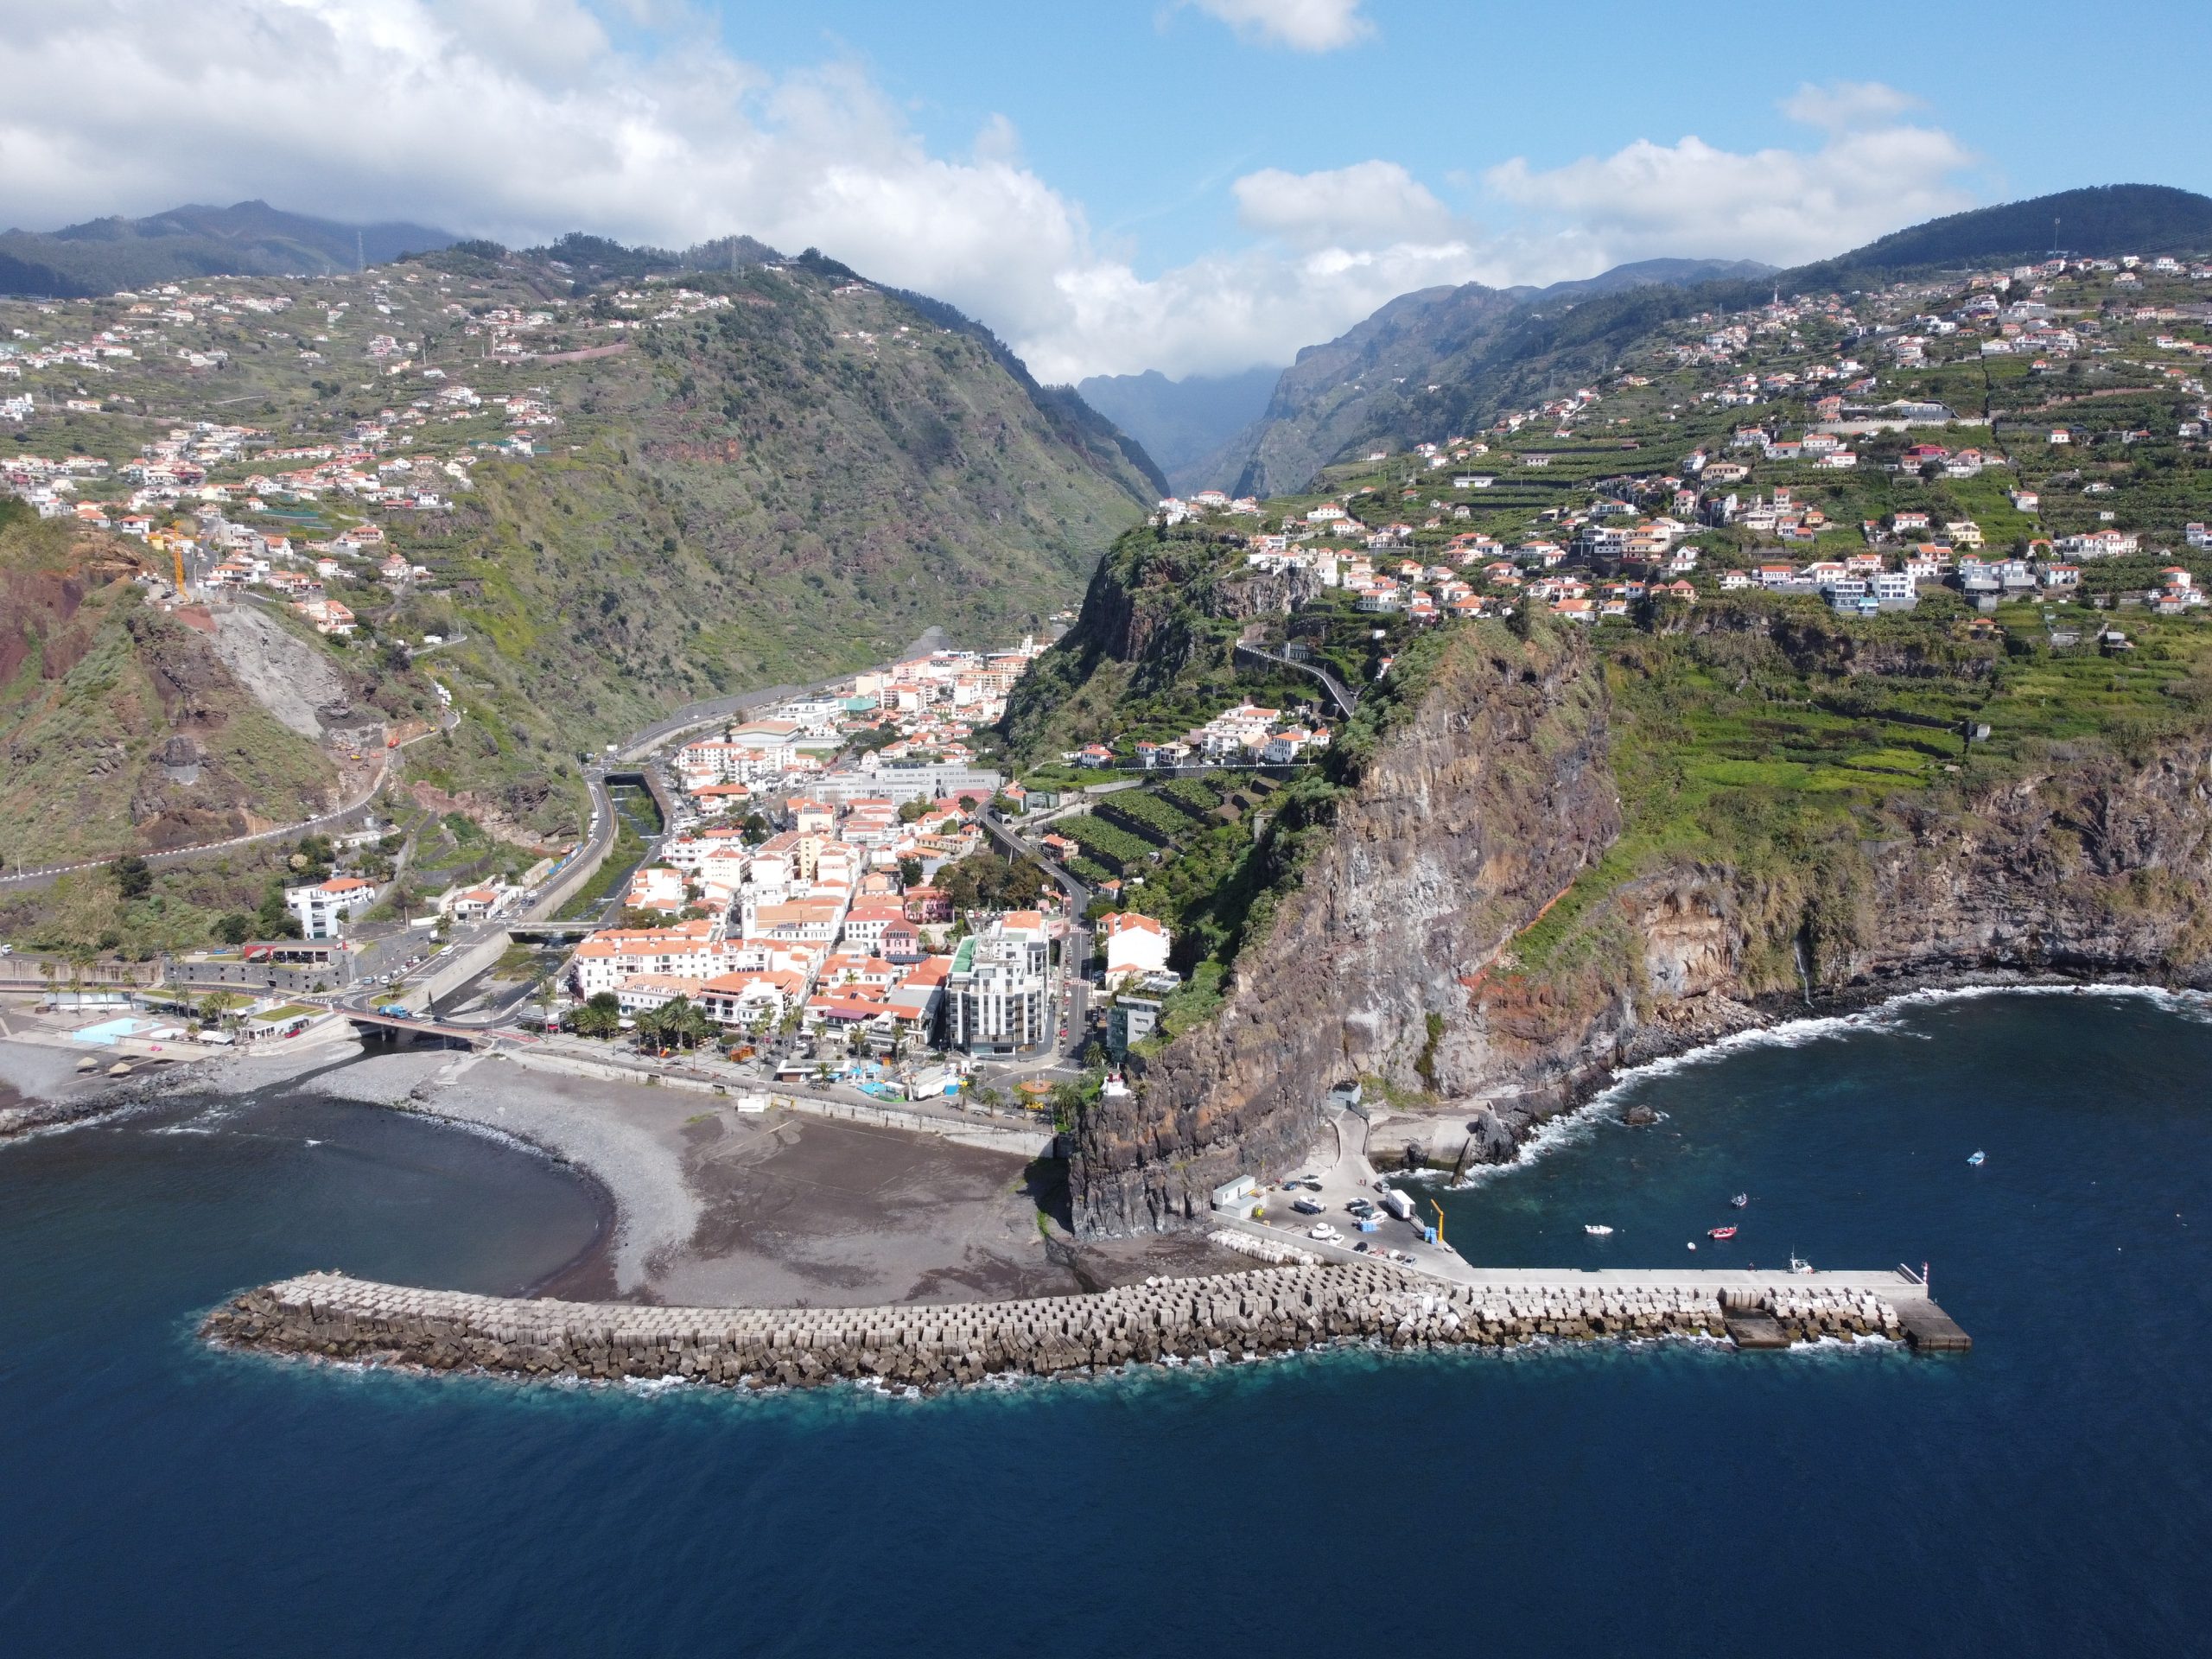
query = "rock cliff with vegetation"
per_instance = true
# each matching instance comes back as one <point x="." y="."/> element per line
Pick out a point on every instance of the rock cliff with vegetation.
<point x="1539" y="855"/>
<point x="121" y="728"/>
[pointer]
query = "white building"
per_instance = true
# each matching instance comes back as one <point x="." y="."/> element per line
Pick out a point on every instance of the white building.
<point x="323" y="909"/>
<point x="1134" y="945"/>
<point x="998" y="997"/>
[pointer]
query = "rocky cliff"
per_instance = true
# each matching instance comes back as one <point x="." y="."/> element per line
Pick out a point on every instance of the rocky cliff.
<point x="1487" y="799"/>
<point x="1392" y="956"/>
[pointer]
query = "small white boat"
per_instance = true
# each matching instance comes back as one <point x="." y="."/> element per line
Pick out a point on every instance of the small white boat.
<point x="1739" y="1201"/>
<point x="1798" y="1266"/>
<point x="1599" y="1229"/>
<point x="1978" y="1159"/>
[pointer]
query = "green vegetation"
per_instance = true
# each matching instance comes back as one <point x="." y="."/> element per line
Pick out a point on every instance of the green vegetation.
<point x="1762" y="740"/>
<point x="613" y="872"/>
<point x="1117" y="850"/>
<point x="796" y="474"/>
<point x="986" y="882"/>
<point x="122" y="730"/>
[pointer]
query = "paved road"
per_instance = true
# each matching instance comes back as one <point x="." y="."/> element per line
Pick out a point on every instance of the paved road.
<point x="1074" y="951"/>
<point x="1346" y="701"/>
<point x="331" y="820"/>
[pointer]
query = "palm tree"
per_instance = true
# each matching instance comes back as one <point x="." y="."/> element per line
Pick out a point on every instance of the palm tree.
<point x="692" y="1022"/>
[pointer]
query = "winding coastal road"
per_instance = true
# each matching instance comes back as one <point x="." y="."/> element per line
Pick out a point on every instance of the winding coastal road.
<point x="331" y="820"/>
<point x="687" y="718"/>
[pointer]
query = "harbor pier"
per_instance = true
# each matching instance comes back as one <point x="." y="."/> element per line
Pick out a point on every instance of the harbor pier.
<point x="1279" y="1309"/>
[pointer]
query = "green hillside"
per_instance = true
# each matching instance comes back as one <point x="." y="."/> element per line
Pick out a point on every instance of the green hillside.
<point x="1446" y="360"/>
<point x="618" y="499"/>
<point x="1758" y="739"/>
<point x="120" y="727"/>
<point x="250" y="237"/>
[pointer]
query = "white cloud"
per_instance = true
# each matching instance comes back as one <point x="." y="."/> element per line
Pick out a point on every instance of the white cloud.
<point x="1303" y="25"/>
<point x="1369" y="205"/>
<point x="1871" y="174"/>
<point x="520" y="119"/>
<point x="1843" y="105"/>
<point x="1230" y="311"/>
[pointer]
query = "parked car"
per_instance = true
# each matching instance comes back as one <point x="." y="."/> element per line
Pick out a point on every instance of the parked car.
<point x="1306" y="1206"/>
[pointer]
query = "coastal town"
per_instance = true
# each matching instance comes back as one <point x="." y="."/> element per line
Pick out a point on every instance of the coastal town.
<point x="821" y="887"/>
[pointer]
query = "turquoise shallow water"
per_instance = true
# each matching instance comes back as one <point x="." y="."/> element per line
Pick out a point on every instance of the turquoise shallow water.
<point x="2049" y="1493"/>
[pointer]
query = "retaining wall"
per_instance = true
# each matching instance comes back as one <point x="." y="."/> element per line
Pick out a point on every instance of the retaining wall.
<point x="1272" y="1310"/>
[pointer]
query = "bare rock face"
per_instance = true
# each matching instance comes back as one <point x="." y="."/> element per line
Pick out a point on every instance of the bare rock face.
<point x="1391" y="957"/>
<point x="1483" y="806"/>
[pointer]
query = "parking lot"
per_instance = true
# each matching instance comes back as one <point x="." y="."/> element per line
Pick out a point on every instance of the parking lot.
<point x="1335" y="1177"/>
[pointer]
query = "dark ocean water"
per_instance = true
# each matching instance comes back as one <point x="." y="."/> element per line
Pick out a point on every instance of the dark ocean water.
<point x="2049" y="1493"/>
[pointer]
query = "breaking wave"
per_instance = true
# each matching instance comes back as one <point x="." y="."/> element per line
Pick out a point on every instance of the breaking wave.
<point x="1887" y="1017"/>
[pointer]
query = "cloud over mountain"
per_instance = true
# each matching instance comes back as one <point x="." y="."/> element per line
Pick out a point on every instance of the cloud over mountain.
<point x="521" y="120"/>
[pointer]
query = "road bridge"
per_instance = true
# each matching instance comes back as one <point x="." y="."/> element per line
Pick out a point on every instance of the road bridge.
<point x="446" y="1031"/>
<point x="1346" y="701"/>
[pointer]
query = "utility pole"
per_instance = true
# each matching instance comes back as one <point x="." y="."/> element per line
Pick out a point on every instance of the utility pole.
<point x="361" y="254"/>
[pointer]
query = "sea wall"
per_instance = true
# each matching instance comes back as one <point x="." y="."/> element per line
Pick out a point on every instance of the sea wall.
<point x="1268" y="1311"/>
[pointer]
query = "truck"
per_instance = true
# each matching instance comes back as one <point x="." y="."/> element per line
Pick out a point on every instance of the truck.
<point x="1398" y="1203"/>
<point x="395" y="1010"/>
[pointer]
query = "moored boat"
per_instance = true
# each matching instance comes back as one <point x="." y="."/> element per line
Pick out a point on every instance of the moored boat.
<point x="1720" y="1232"/>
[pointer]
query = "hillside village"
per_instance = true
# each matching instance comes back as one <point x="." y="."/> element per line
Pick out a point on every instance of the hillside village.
<point x="484" y="486"/>
<point x="1869" y="449"/>
<point x="304" y="515"/>
<point x="1945" y="451"/>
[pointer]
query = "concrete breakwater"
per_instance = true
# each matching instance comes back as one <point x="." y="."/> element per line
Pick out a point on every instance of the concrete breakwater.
<point x="1267" y="1311"/>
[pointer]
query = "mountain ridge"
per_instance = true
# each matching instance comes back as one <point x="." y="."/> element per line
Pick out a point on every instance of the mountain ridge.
<point x="100" y="256"/>
<point x="744" y="478"/>
<point x="1334" y="393"/>
<point x="1182" y="424"/>
<point x="1471" y="349"/>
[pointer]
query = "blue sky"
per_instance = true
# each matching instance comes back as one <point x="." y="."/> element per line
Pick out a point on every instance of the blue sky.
<point x="1190" y="185"/>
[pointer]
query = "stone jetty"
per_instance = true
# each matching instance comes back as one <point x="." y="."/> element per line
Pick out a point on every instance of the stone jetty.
<point x="1272" y="1310"/>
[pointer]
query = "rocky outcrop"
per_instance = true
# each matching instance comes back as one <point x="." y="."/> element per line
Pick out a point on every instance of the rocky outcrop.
<point x="1487" y="801"/>
<point x="1394" y="956"/>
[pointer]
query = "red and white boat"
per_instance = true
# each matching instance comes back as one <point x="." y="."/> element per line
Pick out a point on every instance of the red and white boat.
<point x="1720" y="1232"/>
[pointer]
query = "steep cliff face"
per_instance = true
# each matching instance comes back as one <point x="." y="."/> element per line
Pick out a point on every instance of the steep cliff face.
<point x="1486" y="801"/>
<point x="1395" y="957"/>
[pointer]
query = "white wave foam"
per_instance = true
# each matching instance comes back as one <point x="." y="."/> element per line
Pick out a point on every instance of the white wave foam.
<point x="1886" y="1018"/>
